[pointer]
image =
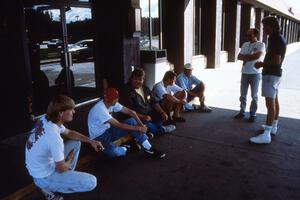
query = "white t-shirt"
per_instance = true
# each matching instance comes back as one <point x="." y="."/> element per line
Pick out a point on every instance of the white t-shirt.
<point x="159" y="90"/>
<point x="98" y="117"/>
<point x="251" y="48"/>
<point x="44" y="147"/>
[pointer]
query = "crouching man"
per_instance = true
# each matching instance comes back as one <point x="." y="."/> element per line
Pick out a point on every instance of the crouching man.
<point x="105" y="128"/>
<point x="49" y="161"/>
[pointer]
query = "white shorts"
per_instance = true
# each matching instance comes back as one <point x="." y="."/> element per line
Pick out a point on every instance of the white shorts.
<point x="270" y="85"/>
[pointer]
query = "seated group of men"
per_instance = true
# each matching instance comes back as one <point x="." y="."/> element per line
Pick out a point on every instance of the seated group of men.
<point x="51" y="162"/>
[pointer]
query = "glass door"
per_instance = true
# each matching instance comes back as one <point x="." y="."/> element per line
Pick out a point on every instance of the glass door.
<point x="61" y="49"/>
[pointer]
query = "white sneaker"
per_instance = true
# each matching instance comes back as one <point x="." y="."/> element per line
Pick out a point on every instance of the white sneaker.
<point x="261" y="139"/>
<point x="169" y="128"/>
<point x="273" y="131"/>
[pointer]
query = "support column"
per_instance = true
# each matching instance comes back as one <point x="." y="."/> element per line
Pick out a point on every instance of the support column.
<point x="282" y="26"/>
<point x="259" y="14"/>
<point x="173" y="32"/>
<point x="232" y="29"/>
<point x="245" y="22"/>
<point x="212" y="29"/>
<point x="265" y="38"/>
<point x="117" y="49"/>
<point x="289" y="32"/>
<point x="188" y="31"/>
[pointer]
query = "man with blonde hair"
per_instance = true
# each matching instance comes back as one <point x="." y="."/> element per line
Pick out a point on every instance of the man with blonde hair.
<point x="49" y="161"/>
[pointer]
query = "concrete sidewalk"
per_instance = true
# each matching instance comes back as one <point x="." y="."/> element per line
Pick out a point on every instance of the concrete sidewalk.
<point x="223" y="85"/>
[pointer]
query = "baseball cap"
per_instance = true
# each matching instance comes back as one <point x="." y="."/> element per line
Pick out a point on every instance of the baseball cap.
<point x="188" y="66"/>
<point x="111" y="94"/>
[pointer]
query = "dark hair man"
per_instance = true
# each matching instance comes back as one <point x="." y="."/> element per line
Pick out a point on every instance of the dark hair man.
<point x="271" y="77"/>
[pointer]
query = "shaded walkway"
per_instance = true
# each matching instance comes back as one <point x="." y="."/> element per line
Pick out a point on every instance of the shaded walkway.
<point x="208" y="157"/>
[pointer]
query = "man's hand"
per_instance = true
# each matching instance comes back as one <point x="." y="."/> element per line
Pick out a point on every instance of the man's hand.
<point x="142" y="129"/>
<point x="259" y="65"/>
<point x="147" y="118"/>
<point x="97" y="145"/>
<point x="164" y="116"/>
<point x="70" y="156"/>
<point x="183" y="101"/>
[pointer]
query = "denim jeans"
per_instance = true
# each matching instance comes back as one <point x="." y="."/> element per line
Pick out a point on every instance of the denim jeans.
<point x="114" y="133"/>
<point x="253" y="81"/>
<point x="70" y="181"/>
<point x="155" y="128"/>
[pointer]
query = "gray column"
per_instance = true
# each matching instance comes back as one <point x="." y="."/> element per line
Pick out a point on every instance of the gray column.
<point x="232" y="29"/>
<point x="173" y="32"/>
<point x="212" y="29"/>
<point x="259" y="14"/>
<point x="245" y="22"/>
<point x="265" y="38"/>
<point x="188" y="31"/>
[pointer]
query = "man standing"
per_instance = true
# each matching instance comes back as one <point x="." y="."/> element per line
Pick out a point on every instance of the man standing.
<point x="194" y="88"/>
<point x="49" y="161"/>
<point x="136" y="96"/>
<point x="251" y="52"/>
<point x="271" y="77"/>
<point x="105" y="128"/>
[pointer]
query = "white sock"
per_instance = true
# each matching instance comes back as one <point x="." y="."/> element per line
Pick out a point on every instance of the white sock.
<point x="267" y="130"/>
<point x="146" y="144"/>
<point x="275" y="123"/>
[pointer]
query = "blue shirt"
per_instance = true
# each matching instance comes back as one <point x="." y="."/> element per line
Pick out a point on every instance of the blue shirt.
<point x="185" y="82"/>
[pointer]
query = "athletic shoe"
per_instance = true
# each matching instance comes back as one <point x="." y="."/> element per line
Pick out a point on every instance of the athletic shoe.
<point x="152" y="152"/>
<point x="204" y="108"/>
<point x="179" y="119"/>
<point x="261" y="139"/>
<point x="168" y="129"/>
<point x="273" y="131"/>
<point x="239" y="115"/>
<point x="150" y="135"/>
<point x="51" y="195"/>
<point x="252" y="119"/>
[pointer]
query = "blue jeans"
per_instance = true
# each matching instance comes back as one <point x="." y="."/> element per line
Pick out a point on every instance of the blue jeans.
<point x="70" y="181"/>
<point x="114" y="133"/>
<point x="253" y="81"/>
<point x="155" y="128"/>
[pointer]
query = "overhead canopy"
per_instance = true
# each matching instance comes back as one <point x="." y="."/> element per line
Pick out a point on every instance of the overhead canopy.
<point x="280" y="7"/>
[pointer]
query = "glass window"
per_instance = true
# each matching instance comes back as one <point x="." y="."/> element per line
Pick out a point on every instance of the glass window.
<point x="150" y="36"/>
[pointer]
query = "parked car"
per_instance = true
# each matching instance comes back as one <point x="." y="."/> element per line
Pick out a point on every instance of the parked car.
<point x="82" y="50"/>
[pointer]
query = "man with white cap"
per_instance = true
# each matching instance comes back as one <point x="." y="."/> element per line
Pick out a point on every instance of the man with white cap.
<point x="194" y="87"/>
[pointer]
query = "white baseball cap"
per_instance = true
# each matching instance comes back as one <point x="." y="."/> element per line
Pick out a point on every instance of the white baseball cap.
<point x="188" y="66"/>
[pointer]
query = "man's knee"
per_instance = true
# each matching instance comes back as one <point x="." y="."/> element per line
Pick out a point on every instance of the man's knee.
<point x="180" y="95"/>
<point x="130" y="121"/>
<point x="91" y="182"/>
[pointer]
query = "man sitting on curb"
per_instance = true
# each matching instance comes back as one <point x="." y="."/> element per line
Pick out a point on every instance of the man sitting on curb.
<point x="49" y="161"/>
<point x="105" y="128"/>
<point x="170" y="96"/>
<point x="186" y="81"/>
<point x="136" y="96"/>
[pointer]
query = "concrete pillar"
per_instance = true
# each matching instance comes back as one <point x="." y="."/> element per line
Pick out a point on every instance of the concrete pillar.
<point x="212" y="29"/>
<point x="265" y="38"/>
<point x="282" y="25"/>
<point x="289" y="32"/>
<point x="259" y="14"/>
<point x="232" y="29"/>
<point x="188" y="31"/>
<point x="173" y="32"/>
<point x="16" y="79"/>
<point x="117" y="49"/>
<point x="245" y="22"/>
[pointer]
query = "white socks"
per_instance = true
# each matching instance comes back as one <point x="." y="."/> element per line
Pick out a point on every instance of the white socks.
<point x="146" y="144"/>
<point x="274" y="127"/>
